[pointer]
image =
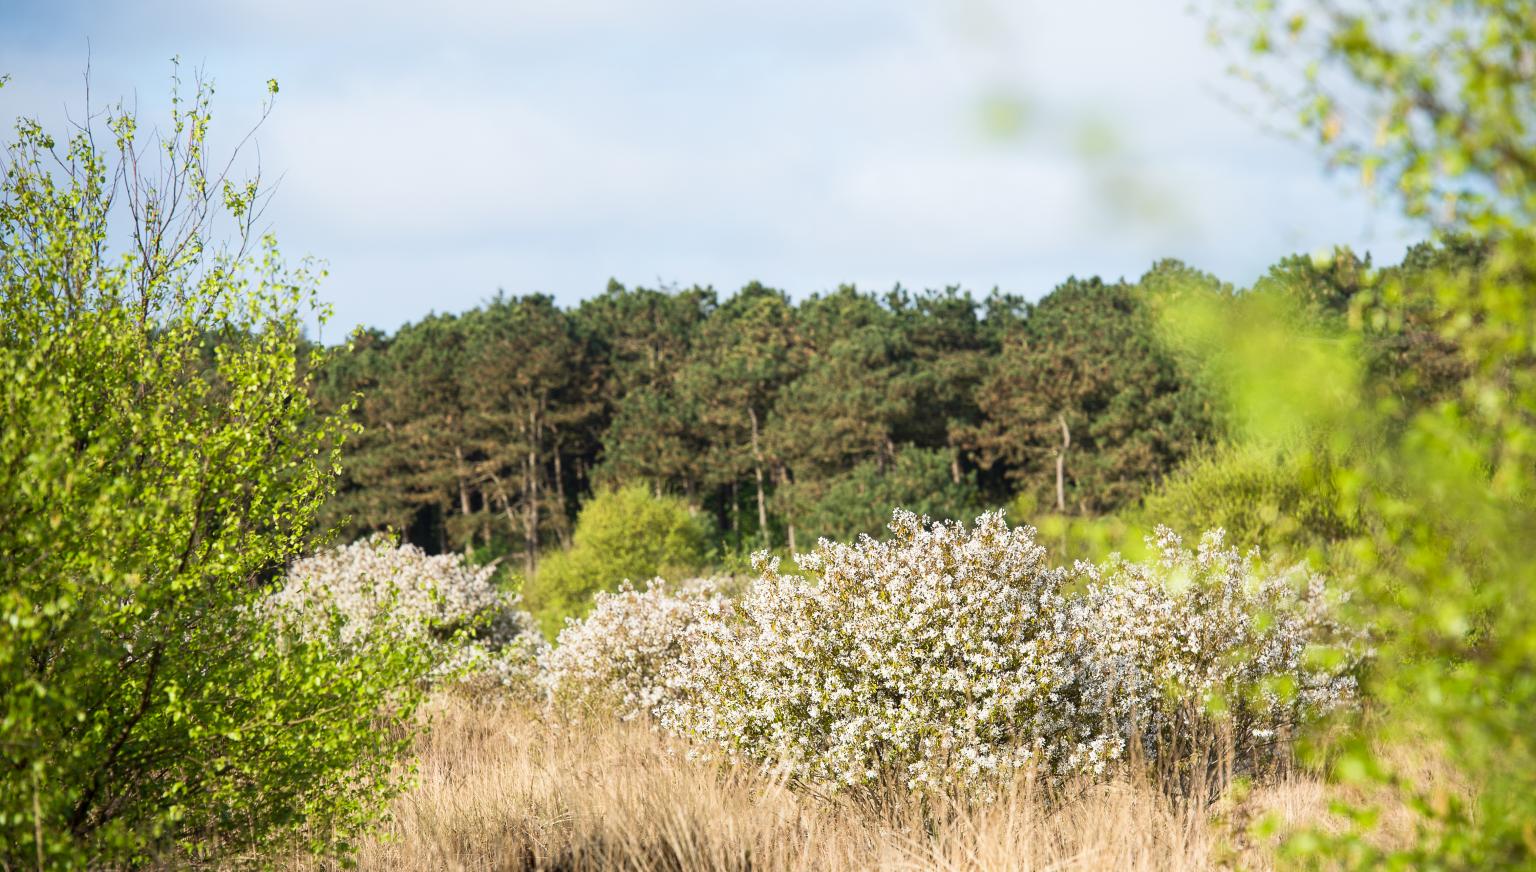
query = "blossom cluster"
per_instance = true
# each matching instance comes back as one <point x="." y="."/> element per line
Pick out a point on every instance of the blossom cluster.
<point x="944" y="657"/>
<point x="376" y="592"/>
<point x="617" y="659"/>
<point x="949" y="656"/>
<point x="937" y="656"/>
<point x="1199" y="640"/>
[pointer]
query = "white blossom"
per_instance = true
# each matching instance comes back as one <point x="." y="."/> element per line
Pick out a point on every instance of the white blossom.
<point x="944" y="658"/>
<point x="617" y="656"/>
<point x="374" y="591"/>
<point x="1174" y="648"/>
<point x="932" y="655"/>
<point x="950" y="657"/>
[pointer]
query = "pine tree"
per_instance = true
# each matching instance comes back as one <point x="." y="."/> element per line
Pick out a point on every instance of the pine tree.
<point x="1085" y="406"/>
<point x="744" y="355"/>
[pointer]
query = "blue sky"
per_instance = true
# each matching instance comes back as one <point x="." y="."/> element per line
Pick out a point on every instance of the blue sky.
<point x="433" y="153"/>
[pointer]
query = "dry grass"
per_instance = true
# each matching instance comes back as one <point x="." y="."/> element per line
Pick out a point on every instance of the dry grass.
<point x="501" y="788"/>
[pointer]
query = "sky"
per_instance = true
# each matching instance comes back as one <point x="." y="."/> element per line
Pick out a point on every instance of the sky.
<point x="433" y="154"/>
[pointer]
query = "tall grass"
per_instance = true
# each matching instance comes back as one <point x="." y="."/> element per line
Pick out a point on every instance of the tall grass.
<point x="505" y="788"/>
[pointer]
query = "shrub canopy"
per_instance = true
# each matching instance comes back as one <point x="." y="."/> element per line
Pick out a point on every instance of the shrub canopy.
<point x="627" y="533"/>
<point x="160" y="461"/>
<point x="950" y="657"/>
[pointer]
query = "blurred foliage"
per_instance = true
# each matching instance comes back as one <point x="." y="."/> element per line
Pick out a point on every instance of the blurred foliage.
<point x="1433" y="512"/>
<point x="1281" y="500"/>
<point x="1070" y="538"/>
<point x="1435" y="99"/>
<point x="1425" y="99"/>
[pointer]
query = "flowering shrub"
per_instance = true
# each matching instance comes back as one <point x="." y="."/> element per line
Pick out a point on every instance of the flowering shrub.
<point x="617" y="657"/>
<point x="374" y="592"/>
<point x="947" y="657"/>
<point x="1197" y="642"/>
<point x="937" y="656"/>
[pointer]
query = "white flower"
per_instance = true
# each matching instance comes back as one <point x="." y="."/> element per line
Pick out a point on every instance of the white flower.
<point x="1161" y="641"/>
<point x="932" y="652"/>
<point x="618" y="656"/>
<point x="374" y="591"/>
<point x="952" y="655"/>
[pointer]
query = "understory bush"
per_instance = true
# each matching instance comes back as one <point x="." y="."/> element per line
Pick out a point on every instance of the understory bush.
<point x="1281" y="499"/>
<point x="619" y="657"/>
<point x="858" y="501"/>
<point x="627" y="533"/>
<point x="374" y="593"/>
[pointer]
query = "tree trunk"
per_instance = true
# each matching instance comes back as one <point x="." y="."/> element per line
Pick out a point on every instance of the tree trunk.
<point x="1061" y="465"/>
<point x="531" y="513"/>
<point x="757" y="470"/>
<point x="531" y="516"/>
<point x="506" y="503"/>
<point x="736" y="512"/>
<point x="789" y="519"/>
<point x="562" y="528"/>
<point x="954" y="461"/>
<point x="469" y="538"/>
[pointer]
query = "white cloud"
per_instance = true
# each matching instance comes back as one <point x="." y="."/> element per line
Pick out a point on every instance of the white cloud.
<point x="433" y="153"/>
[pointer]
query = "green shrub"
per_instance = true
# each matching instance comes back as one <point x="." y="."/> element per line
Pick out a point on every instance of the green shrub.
<point x="627" y="533"/>
<point x="1090" y="538"/>
<point x="160" y="461"/>
<point x="1280" y="500"/>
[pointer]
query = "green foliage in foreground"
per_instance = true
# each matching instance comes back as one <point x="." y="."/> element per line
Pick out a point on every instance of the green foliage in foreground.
<point x="149" y="488"/>
<point x="1440" y="96"/>
<point x="621" y="534"/>
<point x="1431" y="516"/>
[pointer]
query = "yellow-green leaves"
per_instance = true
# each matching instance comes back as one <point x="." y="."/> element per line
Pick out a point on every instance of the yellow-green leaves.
<point x="1437" y="93"/>
<point x="160" y="458"/>
<point x="1284" y="373"/>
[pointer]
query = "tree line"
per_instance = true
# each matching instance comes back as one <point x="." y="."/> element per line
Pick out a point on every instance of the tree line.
<point x="782" y="420"/>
